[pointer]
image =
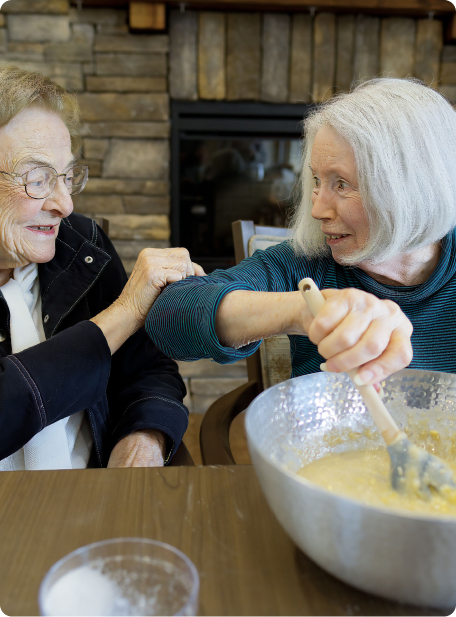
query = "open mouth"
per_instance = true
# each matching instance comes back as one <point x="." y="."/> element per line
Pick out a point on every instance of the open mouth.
<point x="48" y="230"/>
<point x="334" y="237"/>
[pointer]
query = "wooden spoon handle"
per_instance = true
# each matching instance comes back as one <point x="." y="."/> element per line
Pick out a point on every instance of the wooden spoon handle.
<point x="381" y="416"/>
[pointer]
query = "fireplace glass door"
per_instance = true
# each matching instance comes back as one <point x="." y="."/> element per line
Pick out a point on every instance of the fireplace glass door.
<point x="232" y="166"/>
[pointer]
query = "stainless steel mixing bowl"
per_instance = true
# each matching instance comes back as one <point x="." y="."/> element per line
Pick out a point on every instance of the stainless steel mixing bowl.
<point x="396" y="554"/>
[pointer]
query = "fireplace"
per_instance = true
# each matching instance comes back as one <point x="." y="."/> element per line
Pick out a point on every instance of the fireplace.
<point x="229" y="161"/>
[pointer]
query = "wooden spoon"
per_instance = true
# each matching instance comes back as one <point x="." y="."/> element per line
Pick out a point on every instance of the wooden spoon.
<point x="412" y="468"/>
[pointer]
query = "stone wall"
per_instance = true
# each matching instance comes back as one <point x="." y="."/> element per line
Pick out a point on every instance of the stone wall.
<point x="121" y="80"/>
<point x="281" y="58"/>
<point x="207" y="381"/>
<point x="121" y="83"/>
<point x="124" y="81"/>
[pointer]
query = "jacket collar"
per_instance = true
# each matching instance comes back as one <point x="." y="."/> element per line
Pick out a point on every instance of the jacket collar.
<point x="67" y="278"/>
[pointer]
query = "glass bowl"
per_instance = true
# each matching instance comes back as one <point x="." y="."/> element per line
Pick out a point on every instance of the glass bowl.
<point x="397" y="554"/>
<point x="122" y="576"/>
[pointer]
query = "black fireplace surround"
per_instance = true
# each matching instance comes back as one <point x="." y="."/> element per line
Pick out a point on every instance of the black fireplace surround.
<point x="230" y="161"/>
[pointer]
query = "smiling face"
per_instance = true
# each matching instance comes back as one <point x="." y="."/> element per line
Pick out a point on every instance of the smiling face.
<point x="335" y="198"/>
<point x="29" y="227"/>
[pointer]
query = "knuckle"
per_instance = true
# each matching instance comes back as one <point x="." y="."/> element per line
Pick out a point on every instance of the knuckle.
<point x="183" y="252"/>
<point x="142" y="255"/>
<point x="313" y="334"/>
<point x="348" y="295"/>
<point x="370" y="298"/>
<point x="406" y="329"/>
<point x="147" y="252"/>
<point x="392" y="307"/>
<point x="316" y="332"/>
<point x="347" y="338"/>
<point x="408" y="326"/>
<point x="157" y="277"/>
<point x="405" y="355"/>
<point x="375" y="347"/>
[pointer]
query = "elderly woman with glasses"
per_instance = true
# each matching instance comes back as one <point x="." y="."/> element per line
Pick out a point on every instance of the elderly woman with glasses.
<point x="81" y="384"/>
<point x="374" y="227"/>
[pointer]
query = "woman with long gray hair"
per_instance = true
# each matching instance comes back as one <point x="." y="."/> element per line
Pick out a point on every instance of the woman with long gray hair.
<point x="374" y="227"/>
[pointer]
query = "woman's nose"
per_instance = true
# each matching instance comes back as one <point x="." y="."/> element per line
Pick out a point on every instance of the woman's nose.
<point x="59" y="201"/>
<point x="323" y="206"/>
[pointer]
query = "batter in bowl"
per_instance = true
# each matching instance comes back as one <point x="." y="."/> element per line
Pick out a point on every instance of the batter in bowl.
<point x="364" y="475"/>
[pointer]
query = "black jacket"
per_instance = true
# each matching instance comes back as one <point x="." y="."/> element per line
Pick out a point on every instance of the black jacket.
<point x="138" y="388"/>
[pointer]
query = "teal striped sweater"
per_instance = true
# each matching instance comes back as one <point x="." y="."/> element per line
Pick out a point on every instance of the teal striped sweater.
<point x="182" y="320"/>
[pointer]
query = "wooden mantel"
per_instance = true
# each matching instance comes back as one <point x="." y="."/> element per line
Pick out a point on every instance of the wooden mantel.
<point x="403" y="7"/>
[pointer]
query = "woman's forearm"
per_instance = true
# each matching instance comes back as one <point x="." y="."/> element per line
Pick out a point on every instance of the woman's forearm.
<point x="70" y="371"/>
<point x="247" y="316"/>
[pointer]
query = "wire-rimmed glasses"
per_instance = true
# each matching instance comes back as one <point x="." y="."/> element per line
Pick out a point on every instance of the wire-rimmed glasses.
<point x="40" y="181"/>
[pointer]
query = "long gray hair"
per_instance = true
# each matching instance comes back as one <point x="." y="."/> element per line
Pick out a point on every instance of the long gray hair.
<point x="403" y="136"/>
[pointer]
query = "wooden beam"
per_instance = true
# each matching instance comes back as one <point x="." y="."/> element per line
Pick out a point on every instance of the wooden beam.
<point x="380" y="7"/>
<point x="428" y="50"/>
<point x="147" y="16"/>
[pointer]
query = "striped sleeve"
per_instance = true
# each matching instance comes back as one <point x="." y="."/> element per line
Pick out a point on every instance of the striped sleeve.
<point x="182" y="320"/>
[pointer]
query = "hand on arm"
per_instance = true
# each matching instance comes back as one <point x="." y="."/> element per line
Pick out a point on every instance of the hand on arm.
<point x="139" y="449"/>
<point x="154" y="269"/>
<point x="353" y="329"/>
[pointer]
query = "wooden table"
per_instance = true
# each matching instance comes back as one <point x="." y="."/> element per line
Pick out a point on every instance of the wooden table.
<point x="216" y="515"/>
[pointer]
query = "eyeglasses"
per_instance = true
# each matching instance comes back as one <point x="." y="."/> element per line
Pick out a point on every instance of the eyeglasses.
<point x="40" y="181"/>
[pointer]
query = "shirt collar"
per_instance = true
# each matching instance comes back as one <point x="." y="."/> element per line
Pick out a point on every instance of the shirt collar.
<point x="445" y="270"/>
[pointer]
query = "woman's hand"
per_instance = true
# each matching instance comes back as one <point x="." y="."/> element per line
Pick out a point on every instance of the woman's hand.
<point x="154" y="269"/>
<point x="139" y="449"/>
<point x="356" y="329"/>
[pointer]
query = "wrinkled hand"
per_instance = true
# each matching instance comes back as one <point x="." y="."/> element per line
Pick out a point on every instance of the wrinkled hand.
<point x="139" y="449"/>
<point x="154" y="269"/>
<point x="356" y="329"/>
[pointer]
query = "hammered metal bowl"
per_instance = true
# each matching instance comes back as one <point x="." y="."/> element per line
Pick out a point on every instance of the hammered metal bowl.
<point x="396" y="554"/>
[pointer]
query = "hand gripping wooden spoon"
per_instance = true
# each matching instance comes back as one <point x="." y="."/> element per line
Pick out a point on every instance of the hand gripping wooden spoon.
<point x="413" y="470"/>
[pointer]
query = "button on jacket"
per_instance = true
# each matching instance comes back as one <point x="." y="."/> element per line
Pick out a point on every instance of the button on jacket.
<point x="137" y="388"/>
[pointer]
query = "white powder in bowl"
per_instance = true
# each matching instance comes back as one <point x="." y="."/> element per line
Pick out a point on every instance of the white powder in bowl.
<point x="120" y="585"/>
<point x="83" y="591"/>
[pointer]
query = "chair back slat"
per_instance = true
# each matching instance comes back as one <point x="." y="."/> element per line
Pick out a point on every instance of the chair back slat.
<point x="273" y="362"/>
<point x="262" y="242"/>
<point x="282" y="232"/>
<point x="269" y="365"/>
<point x="104" y="224"/>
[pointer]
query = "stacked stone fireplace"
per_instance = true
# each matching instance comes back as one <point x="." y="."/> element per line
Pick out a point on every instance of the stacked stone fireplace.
<point x="124" y="82"/>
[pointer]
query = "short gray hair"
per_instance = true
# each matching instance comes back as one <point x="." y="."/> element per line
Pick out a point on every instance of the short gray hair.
<point x="403" y="135"/>
<point x="20" y="89"/>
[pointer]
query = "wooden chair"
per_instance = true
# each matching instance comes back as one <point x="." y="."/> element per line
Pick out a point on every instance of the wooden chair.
<point x="182" y="456"/>
<point x="269" y="365"/>
<point x="104" y="224"/>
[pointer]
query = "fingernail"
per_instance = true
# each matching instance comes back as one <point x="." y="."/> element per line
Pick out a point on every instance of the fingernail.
<point x="323" y="367"/>
<point x="363" y="378"/>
